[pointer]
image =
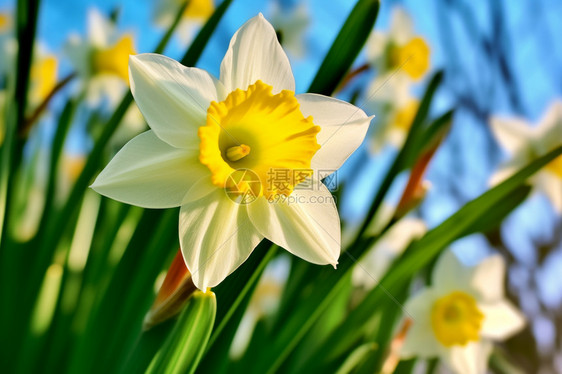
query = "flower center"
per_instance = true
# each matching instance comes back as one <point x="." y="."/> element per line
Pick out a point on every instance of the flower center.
<point x="199" y="9"/>
<point x="4" y="22"/>
<point x="43" y="77"/>
<point x="258" y="131"/>
<point x="405" y="116"/>
<point x="456" y="319"/>
<point x="114" y="60"/>
<point x="412" y="57"/>
<point x="555" y="166"/>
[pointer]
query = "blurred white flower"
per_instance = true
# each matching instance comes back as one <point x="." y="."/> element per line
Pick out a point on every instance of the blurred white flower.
<point x="399" y="58"/>
<point x="371" y="268"/>
<point x="101" y="60"/>
<point x="214" y="142"/>
<point x="399" y="50"/>
<point x="391" y="127"/>
<point x="291" y="23"/>
<point x="525" y="143"/>
<point x="194" y="16"/>
<point x="461" y="314"/>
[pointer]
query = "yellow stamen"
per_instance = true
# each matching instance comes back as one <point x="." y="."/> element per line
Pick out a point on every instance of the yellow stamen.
<point x="114" y="60"/>
<point x="412" y="58"/>
<point x="456" y="319"/>
<point x="237" y="152"/>
<point x="281" y="139"/>
<point x="199" y="9"/>
<point x="555" y="166"/>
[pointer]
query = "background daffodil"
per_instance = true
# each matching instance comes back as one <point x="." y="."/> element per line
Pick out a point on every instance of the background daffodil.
<point x="204" y="130"/>
<point x="525" y="142"/>
<point x="459" y="316"/>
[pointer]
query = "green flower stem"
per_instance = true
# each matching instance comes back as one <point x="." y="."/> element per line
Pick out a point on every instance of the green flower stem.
<point x="185" y="345"/>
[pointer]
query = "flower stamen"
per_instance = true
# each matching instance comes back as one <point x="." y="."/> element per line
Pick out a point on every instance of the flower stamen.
<point x="237" y="152"/>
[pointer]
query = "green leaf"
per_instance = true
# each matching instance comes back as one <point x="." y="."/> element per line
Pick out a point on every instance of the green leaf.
<point x="185" y="346"/>
<point x="493" y="217"/>
<point x="346" y="47"/>
<point x="357" y="357"/>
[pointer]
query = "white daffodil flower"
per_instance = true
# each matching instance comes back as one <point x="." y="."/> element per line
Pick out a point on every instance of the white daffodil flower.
<point x="194" y="16"/>
<point x="232" y="153"/>
<point x="400" y="51"/>
<point x="461" y="314"/>
<point x="101" y="61"/>
<point x="371" y="268"/>
<point x="525" y="143"/>
<point x="397" y="109"/>
<point x="400" y="57"/>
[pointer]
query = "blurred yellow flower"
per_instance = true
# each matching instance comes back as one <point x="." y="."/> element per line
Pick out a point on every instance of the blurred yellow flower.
<point x="194" y="15"/>
<point x="114" y="59"/>
<point x="199" y="9"/>
<point x="405" y="115"/>
<point x="412" y="57"/>
<point x="399" y="51"/>
<point x="43" y="77"/>
<point x="4" y="22"/>
<point x="101" y="59"/>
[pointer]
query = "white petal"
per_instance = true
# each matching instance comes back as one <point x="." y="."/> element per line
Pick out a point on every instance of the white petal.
<point x="420" y="339"/>
<point x="105" y="87"/>
<point x="216" y="237"/>
<point x="99" y="28"/>
<point x="551" y="185"/>
<point x="487" y="278"/>
<point x="450" y="274"/>
<point x="549" y="131"/>
<point x="306" y="224"/>
<point x="173" y="98"/>
<point x="505" y="171"/>
<point x="550" y="126"/>
<point x="255" y="53"/>
<point x="512" y="134"/>
<point x="470" y="359"/>
<point x="343" y="128"/>
<point x="501" y="320"/>
<point x="78" y="52"/>
<point x="376" y="45"/>
<point x="150" y="173"/>
<point x="401" y="26"/>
